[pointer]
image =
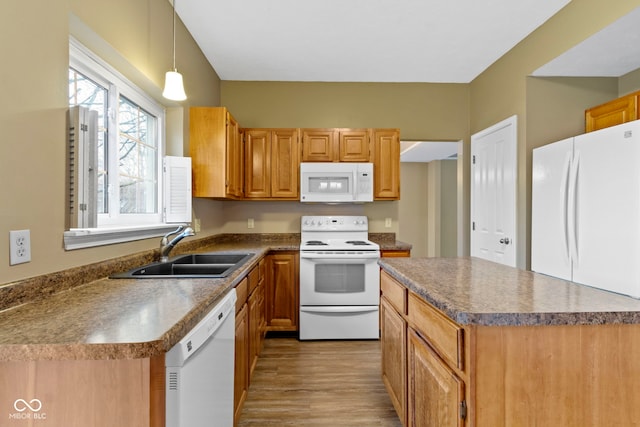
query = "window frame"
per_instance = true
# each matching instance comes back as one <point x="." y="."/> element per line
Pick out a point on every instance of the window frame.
<point x="115" y="227"/>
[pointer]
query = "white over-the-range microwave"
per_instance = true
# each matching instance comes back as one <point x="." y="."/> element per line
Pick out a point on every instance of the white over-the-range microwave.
<point x="336" y="182"/>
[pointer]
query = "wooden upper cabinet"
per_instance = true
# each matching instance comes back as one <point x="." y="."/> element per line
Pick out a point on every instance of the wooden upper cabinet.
<point x="216" y="153"/>
<point x="612" y="113"/>
<point x="354" y="145"/>
<point x="234" y="158"/>
<point x="336" y="145"/>
<point x="264" y="164"/>
<point x="386" y="164"/>
<point x="285" y="161"/>
<point x="257" y="162"/>
<point x="318" y="145"/>
<point x="271" y="158"/>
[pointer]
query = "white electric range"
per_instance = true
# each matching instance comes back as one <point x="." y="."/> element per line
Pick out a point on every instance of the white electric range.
<point x="339" y="279"/>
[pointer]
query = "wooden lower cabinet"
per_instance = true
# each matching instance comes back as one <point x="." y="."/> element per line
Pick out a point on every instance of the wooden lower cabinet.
<point x="282" y="291"/>
<point x="80" y="393"/>
<point x="436" y="394"/>
<point x="241" y="371"/>
<point x="393" y="337"/>
<point x="250" y="332"/>
<point x="256" y="317"/>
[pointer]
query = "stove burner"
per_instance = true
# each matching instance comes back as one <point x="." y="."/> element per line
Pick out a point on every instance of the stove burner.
<point x="358" y="242"/>
<point x="316" y="243"/>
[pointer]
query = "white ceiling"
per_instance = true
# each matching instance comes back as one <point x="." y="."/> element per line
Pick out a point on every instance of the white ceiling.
<point x="436" y="41"/>
<point x="426" y="151"/>
<point x="612" y="52"/>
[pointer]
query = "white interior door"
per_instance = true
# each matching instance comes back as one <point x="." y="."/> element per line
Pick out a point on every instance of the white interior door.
<point x="493" y="192"/>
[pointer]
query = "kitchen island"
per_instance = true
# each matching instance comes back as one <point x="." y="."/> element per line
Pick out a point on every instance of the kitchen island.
<point x="467" y="342"/>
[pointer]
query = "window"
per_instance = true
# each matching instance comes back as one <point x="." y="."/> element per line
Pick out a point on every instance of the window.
<point x="129" y="150"/>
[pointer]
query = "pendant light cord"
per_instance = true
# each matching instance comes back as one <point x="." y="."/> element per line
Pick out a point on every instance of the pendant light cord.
<point x="174" y="35"/>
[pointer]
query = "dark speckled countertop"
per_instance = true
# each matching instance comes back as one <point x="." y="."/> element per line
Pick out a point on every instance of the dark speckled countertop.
<point x="81" y="314"/>
<point x="472" y="291"/>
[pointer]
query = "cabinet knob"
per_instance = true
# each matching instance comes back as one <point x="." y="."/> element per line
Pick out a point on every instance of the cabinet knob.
<point x="505" y="241"/>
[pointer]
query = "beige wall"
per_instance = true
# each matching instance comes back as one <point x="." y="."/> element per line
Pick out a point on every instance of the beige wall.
<point x="32" y="113"/>
<point x="505" y="89"/>
<point x="448" y="208"/>
<point x="35" y="40"/>
<point x="420" y="111"/>
<point x="413" y="213"/>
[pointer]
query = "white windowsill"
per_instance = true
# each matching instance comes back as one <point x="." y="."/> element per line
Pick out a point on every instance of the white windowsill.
<point x="79" y="238"/>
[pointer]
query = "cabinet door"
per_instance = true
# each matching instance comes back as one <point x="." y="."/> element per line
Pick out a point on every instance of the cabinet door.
<point x="393" y="341"/>
<point x="435" y="393"/>
<point x="285" y="162"/>
<point x="386" y="164"/>
<point x="241" y="377"/>
<point x="319" y="145"/>
<point x="262" y="267"/>
<point x="612" y="113"/>
<point x="282" y="294"/>
<point x="257" y="158"/>
<point x="234" y="158"/>
<point x="208" y="149"/>
<point x="254" y="331"/>
<point x="354" y="145"/>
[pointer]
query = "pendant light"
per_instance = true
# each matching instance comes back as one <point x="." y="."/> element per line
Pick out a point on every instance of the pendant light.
<point x="173" y="85"/>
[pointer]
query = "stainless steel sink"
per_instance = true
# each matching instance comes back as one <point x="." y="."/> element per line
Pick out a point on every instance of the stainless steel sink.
<point x="208" y="265"/>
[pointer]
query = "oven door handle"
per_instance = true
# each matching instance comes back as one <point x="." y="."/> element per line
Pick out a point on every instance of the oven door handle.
<point x="339" y="309"/>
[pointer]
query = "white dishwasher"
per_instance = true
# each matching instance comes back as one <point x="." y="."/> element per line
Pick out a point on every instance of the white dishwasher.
<point x="199" y="371"/>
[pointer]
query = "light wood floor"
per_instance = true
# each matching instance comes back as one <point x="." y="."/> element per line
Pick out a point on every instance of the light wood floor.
<point x="318" y="383"/>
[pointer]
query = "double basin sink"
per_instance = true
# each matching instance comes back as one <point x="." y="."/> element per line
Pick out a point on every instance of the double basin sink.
<point x="206" y="265"/>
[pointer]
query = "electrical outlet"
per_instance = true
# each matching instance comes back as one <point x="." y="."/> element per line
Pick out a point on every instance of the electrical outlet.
<point x="196" y="225"/>
<point x="19" y="246"/>
<point x="387" y="222"/>
<point x="250" y="223"/>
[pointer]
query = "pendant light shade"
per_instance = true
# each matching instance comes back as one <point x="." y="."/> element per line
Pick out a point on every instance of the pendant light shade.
<point x="173" y="84"/>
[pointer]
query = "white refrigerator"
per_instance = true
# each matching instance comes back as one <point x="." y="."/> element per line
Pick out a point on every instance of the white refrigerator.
<point x="585" y="214"/>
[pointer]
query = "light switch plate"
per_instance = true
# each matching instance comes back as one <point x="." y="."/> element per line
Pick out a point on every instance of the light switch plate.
<point x="19" y="246"/>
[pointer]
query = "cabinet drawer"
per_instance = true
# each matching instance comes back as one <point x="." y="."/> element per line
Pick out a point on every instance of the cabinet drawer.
<point x="254" y="279"/>
<point x="444" y="335"/>
<point x="394" y="292"/>
<point x="242" y="292"/>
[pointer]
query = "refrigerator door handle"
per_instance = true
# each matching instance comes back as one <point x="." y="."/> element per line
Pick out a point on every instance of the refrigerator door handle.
<point x="573" y="208"/>
<point x="564" y="203"/>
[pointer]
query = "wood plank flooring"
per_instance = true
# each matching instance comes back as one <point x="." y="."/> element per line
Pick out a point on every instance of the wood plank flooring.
<point x="318" y="383"/>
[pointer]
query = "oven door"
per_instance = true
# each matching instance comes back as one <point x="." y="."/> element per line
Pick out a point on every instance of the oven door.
<point x="339" y="280"/>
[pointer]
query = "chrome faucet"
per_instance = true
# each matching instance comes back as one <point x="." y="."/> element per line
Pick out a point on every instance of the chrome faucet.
<point x="166" y="245"/>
